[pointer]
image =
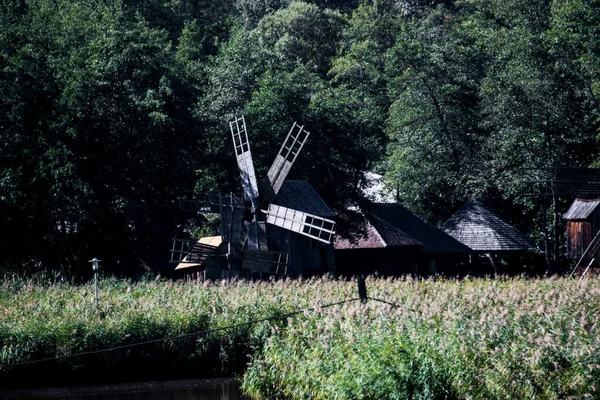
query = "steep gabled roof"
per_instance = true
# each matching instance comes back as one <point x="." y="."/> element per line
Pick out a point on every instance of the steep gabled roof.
<point x="433" y="239"/>
<point x="478" y="227"/>
<point x="300" y="195"/>
<point x="581" y="209"/>
<point x="379" y="235"/>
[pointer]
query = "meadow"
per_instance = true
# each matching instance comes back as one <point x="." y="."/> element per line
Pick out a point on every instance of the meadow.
<point x="438" y="339"/>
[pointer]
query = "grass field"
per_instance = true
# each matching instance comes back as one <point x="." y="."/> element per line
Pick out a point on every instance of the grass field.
<point x="470" y="339"/>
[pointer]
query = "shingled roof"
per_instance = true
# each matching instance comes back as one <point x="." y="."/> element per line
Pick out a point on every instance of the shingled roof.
<point x="478" y="227"/>
<point x="379" y="235"/>
<point x="581" y="209"/>
<point x="433" y="239"/>
<point x="300" y="195"/>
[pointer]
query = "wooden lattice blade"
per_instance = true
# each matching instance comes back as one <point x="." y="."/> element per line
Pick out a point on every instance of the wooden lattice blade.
<point x="284" y="160"/>
<point x="306" y="224"/>
<point x="241" y="146"/>
<point x="195" y="252"/>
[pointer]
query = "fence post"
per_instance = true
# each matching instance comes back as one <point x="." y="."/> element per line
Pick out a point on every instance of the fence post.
<point x="362" y="290"/>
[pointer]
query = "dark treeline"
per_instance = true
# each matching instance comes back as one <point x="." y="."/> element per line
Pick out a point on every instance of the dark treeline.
<point x="112" y="112"/>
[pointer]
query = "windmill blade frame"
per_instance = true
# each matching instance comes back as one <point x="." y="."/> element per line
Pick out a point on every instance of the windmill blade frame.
<point x="241" y="146"/>
<point x="291" y="147"/>
<point x="318" y="228"/>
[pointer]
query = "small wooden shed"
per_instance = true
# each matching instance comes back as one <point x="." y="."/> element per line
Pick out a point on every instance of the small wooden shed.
<point x="382" y="249"/>
<point x="583" y="223"/>
<point x="485" y="233"/>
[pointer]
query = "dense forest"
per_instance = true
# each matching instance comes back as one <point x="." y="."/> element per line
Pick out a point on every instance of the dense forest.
<point x="113" y="112"/>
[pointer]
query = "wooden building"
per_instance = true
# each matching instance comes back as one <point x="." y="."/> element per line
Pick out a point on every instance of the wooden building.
<point x="215" y="258"/>
<point x="488" y="235"/>
<point x="441" y="253"/>
<point x="583" y="223"/>
<point x="399" y="242"/>
<point x="382" y="249"/>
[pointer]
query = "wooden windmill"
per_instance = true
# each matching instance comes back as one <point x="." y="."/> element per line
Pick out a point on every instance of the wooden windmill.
<point x="244" y="243"/>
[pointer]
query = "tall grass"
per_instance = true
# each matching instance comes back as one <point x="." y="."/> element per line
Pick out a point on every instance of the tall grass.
<point x="473" y="339"/>
<point x="484" y="339"/>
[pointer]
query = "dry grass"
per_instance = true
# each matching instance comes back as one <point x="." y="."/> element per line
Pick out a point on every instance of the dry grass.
<point x="479" y="339"/>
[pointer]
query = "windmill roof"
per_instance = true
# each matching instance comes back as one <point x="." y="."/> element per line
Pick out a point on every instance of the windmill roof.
<point x="433" y="239"/>
<point x="379" y="235"/>
<point x="478" y="227"/>
<point x="581" y="208"/>
<point x="301" y="196"/>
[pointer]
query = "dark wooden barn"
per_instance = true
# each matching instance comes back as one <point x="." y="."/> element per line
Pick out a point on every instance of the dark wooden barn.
<point x="583" y="223"/>
<point x="382" y="249"/>
<point x="441" y="253"/>
<point x="399" y="242"/>
<point x="488" y="235"/>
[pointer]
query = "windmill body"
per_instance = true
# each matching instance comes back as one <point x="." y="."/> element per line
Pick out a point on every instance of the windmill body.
<point x="261" y="236"/>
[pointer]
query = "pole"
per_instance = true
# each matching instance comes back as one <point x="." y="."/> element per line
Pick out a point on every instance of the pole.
<point x="96" y="286"/>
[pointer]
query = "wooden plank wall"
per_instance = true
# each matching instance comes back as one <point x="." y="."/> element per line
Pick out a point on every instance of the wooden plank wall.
<point x="579" y="236"/>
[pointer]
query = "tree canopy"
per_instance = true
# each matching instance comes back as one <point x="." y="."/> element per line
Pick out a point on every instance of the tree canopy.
<point x="114" y="111"/>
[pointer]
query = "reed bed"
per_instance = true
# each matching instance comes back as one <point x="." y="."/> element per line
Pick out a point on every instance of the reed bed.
<point x="480" y="339"/>
<point x="469" y="339"/>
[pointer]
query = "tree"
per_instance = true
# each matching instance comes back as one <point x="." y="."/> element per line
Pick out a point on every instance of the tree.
<point x="98" y="107"/>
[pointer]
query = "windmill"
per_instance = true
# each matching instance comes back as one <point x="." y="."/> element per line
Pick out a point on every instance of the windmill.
<point x="244" y="243"/>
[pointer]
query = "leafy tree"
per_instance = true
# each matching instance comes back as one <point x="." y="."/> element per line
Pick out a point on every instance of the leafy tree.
<point x="100" y="136"/>
<point x="436" y="144"/>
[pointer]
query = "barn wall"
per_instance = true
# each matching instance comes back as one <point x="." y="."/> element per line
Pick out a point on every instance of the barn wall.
<point x="387" y="262"/>
<point x="579" y="237"/>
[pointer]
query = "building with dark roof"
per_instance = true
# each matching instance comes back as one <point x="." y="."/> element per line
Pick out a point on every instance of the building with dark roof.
<point x="398" y="242"/>
<point x="485" y="233"/>
<point x="480" y="229"/>
<point x="381" y="249"/>
<point x="306" y="256"/>
<point x="583" y="223"/>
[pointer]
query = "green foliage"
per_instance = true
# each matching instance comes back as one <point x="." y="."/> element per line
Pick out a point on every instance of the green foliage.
<point x="112" y="111"/>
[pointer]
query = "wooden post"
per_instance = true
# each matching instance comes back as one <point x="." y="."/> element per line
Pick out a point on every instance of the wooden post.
<point x="362" y="289"/>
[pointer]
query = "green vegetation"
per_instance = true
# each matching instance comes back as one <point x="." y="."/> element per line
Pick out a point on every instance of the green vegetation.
<point x="472" y="339"/>
<point x="113" y="112"/>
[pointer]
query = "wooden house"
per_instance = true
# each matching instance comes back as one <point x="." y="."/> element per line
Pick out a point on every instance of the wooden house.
<point x="488" y="235"/>
<point x="441" y="253"/>
<point x="381" y="249"/>
<point x="399" y="242"/>
<point x="583" y="224"/>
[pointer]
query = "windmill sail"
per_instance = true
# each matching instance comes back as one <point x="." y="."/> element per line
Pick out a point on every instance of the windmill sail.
<point x="315" y="227"/>
<point x="270" y="262"/>
<point x="244" y="158"/>
<point x="285" y="159"/>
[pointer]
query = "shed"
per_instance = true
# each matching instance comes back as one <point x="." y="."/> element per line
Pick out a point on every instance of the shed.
<point x="583" y="223"/>
<point x="484" y="232"/>
<point x="382" y="249"/>
<point x="440" y="252"/>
